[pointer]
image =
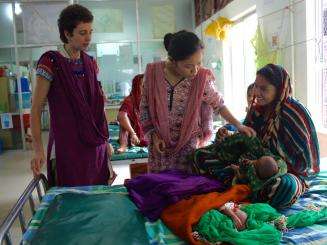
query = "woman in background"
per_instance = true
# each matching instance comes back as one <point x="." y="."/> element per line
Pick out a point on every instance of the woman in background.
<point x="131" y="132"/>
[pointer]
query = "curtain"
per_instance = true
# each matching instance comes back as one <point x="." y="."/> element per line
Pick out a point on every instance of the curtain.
<point x="206" y="8"/>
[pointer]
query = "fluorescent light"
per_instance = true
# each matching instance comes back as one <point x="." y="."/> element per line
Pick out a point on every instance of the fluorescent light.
<point x="18" y="9"/>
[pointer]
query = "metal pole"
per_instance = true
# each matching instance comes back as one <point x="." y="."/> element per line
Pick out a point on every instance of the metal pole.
<point x="138" y="36"/>
<point x="293" y="46"/>
<point x="20" y="98"/>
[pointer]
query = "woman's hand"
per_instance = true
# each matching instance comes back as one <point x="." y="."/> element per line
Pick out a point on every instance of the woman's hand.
<point x="110" y="150"/>
<point x="112" y="174"/>
<point x="159" y="144"/>
<point x="235" y="167"/>
<point x="37" y="162"/>
<point x="134" y="139"/>
<point x="246" y="130"/>
<point x="112" y="177"/>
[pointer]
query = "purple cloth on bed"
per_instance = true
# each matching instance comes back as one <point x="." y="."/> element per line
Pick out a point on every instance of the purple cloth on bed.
<point x="153" y="192"/>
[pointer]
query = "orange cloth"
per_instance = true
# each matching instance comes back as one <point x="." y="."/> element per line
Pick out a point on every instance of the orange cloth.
<point x="182" y="216"/>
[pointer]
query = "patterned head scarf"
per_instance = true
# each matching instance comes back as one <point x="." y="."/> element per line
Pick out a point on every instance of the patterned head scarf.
<point x="286" y="126"/>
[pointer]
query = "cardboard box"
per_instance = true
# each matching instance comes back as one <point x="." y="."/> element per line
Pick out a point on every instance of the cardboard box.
<point x="4" y="95"/>
<point x="6" y="137"/>
<point x="12" y="139"/>
<point x="137" y="169"/>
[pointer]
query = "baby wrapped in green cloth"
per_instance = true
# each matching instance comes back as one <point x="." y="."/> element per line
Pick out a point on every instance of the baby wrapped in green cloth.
<point x="257" y="223"/>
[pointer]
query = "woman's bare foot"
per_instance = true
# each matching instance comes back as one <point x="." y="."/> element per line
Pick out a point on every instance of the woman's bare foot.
<point x="121" y="149"/>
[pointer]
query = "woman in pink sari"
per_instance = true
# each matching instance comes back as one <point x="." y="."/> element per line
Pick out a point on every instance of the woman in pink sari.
<point x="174" y="92"/>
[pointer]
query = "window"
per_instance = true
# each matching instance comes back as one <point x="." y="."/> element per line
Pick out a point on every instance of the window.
<point x="239" y="64"/>
<point x="317" y="62"/>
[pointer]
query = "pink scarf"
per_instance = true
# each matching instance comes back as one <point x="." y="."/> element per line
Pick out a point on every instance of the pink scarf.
<point x="158" y="109"/>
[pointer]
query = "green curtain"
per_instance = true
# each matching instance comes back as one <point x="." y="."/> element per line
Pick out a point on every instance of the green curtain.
<point x="264" y="55"/>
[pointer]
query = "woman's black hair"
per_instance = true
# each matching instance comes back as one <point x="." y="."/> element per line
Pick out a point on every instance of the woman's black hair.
<point x="70" y="17"/>
<point x="182" y="44"/>
<point x="273" y="74"/>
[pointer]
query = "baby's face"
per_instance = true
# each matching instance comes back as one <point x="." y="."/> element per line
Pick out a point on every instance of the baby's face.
<point x="266" y="167"/>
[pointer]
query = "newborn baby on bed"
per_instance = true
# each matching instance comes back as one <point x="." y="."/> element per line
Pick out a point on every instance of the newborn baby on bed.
<point x="246" y="223"/>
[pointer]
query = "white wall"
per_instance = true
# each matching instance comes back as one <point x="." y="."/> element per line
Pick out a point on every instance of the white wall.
<point x="6" y="24"/>
<point x="270" y="25"/>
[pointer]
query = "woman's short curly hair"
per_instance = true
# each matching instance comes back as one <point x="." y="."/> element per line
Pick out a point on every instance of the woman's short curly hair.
<point x="70" y="17"/>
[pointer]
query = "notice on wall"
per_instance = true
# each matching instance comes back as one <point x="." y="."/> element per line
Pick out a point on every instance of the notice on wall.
<point x="6" y="121"/>
<point x="163" y="17"/>
<point x="40" y="22"/>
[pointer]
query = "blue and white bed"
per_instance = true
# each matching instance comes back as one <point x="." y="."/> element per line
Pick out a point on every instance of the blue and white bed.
<point x="125" y="225"/>
<point x="135" y="153"/>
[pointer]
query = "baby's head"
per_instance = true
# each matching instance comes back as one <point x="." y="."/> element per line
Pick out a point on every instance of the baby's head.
<point x="266" y="167"/>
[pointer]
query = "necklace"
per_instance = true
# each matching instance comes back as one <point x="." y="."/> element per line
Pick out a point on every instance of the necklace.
<point x="69" y="54"/>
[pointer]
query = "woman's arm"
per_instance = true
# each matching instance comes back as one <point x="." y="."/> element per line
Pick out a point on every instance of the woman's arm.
<point x="228" y="116"/>
<point x="39" y="97"/>
<point x="214" y="98"/>
<point x="124" y="122"/>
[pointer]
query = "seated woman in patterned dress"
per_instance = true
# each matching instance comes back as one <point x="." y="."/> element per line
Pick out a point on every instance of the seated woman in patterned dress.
<point x="285" y="127"/>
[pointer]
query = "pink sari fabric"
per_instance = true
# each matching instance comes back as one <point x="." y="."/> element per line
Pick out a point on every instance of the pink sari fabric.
<point x="158" y="109"/>
<point x="206" y="124"/>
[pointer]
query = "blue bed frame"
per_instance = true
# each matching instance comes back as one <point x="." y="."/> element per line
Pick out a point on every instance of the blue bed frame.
<point x="38" y="185"/>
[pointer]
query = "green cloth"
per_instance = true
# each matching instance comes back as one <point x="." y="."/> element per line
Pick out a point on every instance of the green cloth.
<point x="215" y="226"/>
<point x="75" y="218"/>
<point x="214" y="159"/>
<point x="263" y="53"/>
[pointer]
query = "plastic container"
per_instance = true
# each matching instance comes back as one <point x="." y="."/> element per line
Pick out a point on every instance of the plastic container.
<point x="25" y="84"/>
<point x="26" y="100"/>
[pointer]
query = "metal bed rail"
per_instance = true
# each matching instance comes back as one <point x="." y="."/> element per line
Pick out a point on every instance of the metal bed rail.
<point x="17" y="210"/>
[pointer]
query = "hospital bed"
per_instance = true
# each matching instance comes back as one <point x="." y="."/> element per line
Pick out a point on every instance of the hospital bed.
<point x="133" y="154"/>
<point x="33" y="193"/>
<point x="106" y="215"/>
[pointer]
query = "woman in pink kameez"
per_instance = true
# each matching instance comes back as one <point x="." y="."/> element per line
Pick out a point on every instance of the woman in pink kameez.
<point x="173" y="94"/>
